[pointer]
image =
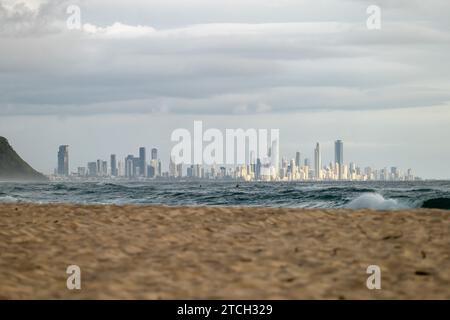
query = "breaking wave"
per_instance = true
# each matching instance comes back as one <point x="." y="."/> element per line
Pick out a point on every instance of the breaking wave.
<point x="375" y="201"/>
<point x="8" y="199"/>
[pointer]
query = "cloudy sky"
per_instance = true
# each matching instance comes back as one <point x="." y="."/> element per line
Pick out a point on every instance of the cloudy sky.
<point x="138" y="69"/>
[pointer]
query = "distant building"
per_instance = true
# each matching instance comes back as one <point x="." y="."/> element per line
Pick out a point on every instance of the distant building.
<point x="114" y="172"/>
<point x="104" y="168"/>
<point x="297" y="159"/>
<point x="275" y="155"/>
<point x="120" y="169"/>
<point x="258" y="169"/>
<point x="317" y="162"/>
<point x="154" y="154"/>
<point x="142" y="162"/>
<point x="179" y="172"/>
<point x="151" y="173"/>
<point x="190" y="171"/>
<point x="159" y="171"/>
<point x="99" y="167"/>
<point x="81" y="171"/>
<point x="172" y="168"/>
<point x="63" y="160"/>
<point x="307" y="163"/>
<point x="92" y="169"/>
<point x="395" y="173"/>
<point x="129" y="166"/>
<point x="136" y="167"/>
<point x="339" y="157"/>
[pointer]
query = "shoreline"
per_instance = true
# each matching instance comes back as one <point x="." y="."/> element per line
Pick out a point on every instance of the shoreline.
<point x="214" y="252"/>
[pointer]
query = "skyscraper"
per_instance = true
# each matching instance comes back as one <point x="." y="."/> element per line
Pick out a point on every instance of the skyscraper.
<point x="307" y="163"/>
<point x="63" y="160"/>
<point x="104" y="168"/>
<point x="339" y="156"/>
<point x="151" y="171"/>
<point x="142" y="162"/>
<point x="154" y="154"/>
<point x="129" y="166"/>
<point x="113" y="165"/>
<point x="275" y="155"/>
<point x="297" y="159"/>
<point x="120" y="168"/>
<point x="99" y="167"/>
<point x="92" y="169"/>
<point x="172" y="167"/>
<point x="317" y="162"/>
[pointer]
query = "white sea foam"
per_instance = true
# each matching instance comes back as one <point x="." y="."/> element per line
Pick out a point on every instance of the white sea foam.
<point x="374" y="201"/>
<point x="8" y="199"/>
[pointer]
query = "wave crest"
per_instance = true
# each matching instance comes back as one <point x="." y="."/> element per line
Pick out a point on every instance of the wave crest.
<point x="374" y="201"/>
<point x="8" y="199"/>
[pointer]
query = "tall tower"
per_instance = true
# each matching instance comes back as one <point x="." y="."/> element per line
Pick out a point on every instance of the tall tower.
<point x="317" y="162"/>
<point x="142" y="162"/>
<point x="63" y="160"/>
<point x="339" y="156"/>
<point x="297" y="159"/>
<point x="114" y="165"/>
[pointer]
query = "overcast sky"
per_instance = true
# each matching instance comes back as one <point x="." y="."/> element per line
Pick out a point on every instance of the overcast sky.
<point x="139" y="69"/>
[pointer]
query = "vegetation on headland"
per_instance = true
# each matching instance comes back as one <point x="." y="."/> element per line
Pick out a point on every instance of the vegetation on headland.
<point x="13" y="167"/>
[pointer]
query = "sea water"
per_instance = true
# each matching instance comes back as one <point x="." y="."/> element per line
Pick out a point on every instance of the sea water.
<point x="375" y="195"/>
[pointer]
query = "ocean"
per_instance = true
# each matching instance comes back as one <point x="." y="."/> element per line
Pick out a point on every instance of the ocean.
<point x="375" y="195"/>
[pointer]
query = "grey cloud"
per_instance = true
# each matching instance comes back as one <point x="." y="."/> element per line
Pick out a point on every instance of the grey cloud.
<point x="18" y="19"/>
<point x="219" y="69"/>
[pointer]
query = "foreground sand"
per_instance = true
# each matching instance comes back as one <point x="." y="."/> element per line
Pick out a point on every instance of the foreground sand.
<point x="136" y="252"/>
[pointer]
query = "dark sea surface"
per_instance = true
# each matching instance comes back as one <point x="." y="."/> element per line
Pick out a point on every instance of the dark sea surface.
<point x="376" y="195"/>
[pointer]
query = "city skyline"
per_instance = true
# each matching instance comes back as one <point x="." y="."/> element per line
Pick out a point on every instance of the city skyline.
<point x="270" y="168"/>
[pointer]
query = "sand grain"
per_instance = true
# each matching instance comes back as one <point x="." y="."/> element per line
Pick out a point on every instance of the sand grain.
<point x="151" y="252"/>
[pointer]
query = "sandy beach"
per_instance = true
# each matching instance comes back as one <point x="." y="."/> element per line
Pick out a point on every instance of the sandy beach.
<point x="154" y="252"/>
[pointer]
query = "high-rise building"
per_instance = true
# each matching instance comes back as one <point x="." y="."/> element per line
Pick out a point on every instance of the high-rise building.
<point x="395" y="173"/>
<point x="63" y="160"/>
<point x="104" y="168"/>
<point x="129" y="166"/>
<point x="297" y="159"/>
<point x="292" y="169"/>
<point x="99" y="167"/>
<point x="114" y="172"/>
<point x="136" y="166"/>
<point x="159" y="171"/>
<point x="179" y="172"/>
<point x="142" y="162"/>
<point x="275" y="155"/>
<point x="339" y="156"/>
<point x="317" y="162"/>
<point x="258" y="169"/>
<point x="92" y="169"/>
<point x="307" y="163"/>
<point x="151" y="171"/>
<point x="172" y="167"/>
<point x="120" y="168"/>
<point x="81" y="171"/>
<point x="154" y="154"/>
<point x="190" y="171"/>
